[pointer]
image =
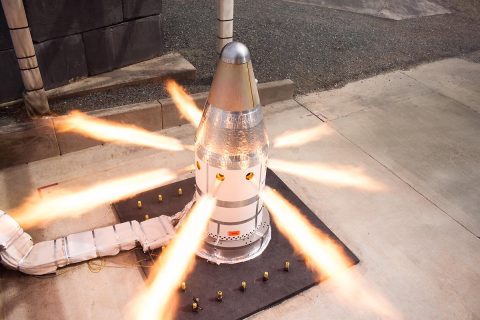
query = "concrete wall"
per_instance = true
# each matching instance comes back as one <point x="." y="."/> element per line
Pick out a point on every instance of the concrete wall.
<point x="77" y="38"/>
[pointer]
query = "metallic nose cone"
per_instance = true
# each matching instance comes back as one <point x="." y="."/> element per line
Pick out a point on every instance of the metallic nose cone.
<point x="231" y="151"/>
<point x="234" y="87"/>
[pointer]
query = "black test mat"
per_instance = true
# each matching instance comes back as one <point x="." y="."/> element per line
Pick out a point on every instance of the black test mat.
<point x="206" y="279"/>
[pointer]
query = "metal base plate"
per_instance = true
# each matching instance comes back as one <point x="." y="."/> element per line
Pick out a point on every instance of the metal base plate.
<point x="206" y="278"/>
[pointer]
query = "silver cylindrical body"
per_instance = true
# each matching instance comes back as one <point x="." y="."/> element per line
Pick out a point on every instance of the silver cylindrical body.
<point x="231" y="151"/>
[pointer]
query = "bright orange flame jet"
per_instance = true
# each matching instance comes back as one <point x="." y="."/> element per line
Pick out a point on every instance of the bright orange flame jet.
<point x="184" y="103"/>
<point x="301" y="137"/>
<point x="157" y="301"/>
<point x="109" y="131"/>
<point x="38" y="211"/>
<point x="325" y="257"/>
<point x="340" y="176"/>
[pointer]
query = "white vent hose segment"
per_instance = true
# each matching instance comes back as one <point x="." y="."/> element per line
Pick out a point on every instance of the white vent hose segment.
<point x="18" y="252"/>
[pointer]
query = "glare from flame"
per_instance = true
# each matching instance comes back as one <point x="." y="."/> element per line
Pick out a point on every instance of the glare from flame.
<point x="184" y="103"/>
<point x="38" y="211"/>
<point x="175" y="263"/>
<point x="301" y="137"/>
<point x="335" y="175"/>
<point x="109" y="131"/>
<point x="325" y="257"/>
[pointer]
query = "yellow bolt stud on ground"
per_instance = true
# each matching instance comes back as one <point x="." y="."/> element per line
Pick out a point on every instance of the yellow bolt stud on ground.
<point x="180" y="191"/>
<point x="195" y="307"/>
<point x="286" y="266"/>
<point x="244" y="285"/>
<point x="219" y="296"/>
<point x="147" y="217"/>
<point x="160" y="198"/>
<point x="183" y="286"/>
<point x="139" y="204"/>
<point x="265" y="276"/>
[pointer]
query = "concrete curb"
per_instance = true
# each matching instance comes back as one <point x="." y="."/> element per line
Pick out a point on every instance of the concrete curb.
<point x="40" y="139"/>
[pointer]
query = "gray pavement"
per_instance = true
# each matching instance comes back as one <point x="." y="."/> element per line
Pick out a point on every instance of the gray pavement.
<point x="414" y="132"/>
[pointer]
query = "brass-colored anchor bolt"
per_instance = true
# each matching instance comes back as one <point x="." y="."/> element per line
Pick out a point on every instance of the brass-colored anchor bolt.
<point x="160" y="198"/>
<point x="286" y="266"/>
<point x="139" y="204"/>
<point x="183" y="286"/>
<point x="219" y="296"/>
<point x="180" y="191"/>
<point x="195" y="307"/>
<point x="147" y="217"/>
<point x="265" y="276"/>
<point x="244" y="285"/>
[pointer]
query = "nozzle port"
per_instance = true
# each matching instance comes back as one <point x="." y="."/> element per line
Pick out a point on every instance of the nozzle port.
<point x="198" y="165"/>
<point x="249" y="176"/>
<point x="220" y="177"/>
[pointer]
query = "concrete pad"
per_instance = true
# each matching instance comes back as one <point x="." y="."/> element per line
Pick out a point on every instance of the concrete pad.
<point x="381" y="90"/>
<point x="410" y="250"/>
<point x="388" y="9"/>
<point x="27" y="142"/>
<point x="171" y="65"/>
<point x="454" y="78"/>
<point x="426" y="138"/>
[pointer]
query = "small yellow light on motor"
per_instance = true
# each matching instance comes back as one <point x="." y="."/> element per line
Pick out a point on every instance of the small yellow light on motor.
<point x="160" y="198"/>
<point x="219" y="296"/>
<point x="147" y="217"/>
<point x="198" y="165"/>
<point x="183" y="286"/>
<point x="249" y="176"/>
<point x="180" y="191"/>
<point x="244" y="285"/>
<point x="139" y="204"/>
<point x="286" y="266"/>
<point x="220" y="177"/>
<point x="265" y="276"/>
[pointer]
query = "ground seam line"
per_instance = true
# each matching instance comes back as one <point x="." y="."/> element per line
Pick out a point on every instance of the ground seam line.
<point x="294" y="99"/>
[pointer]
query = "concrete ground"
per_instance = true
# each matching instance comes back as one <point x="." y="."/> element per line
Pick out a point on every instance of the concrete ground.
<point x="415" y="132"/>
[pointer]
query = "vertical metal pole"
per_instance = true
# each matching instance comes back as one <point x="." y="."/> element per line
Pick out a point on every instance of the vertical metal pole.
<point x="224" y="23"/>
<point x="34" y="96"/>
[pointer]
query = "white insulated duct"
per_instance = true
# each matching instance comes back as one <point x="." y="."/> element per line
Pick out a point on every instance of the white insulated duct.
<point x="34" y="96"/>
<point x="224" y="23"/>
<point x="18" y="252"/>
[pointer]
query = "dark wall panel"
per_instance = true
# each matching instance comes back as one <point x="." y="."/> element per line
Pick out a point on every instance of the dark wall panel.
<point x="11" y="85"/>
<point x="55" y="18"/>
<point x="141" y="8"/>
<point x="5" y="41"/>
<point x="61" y="60"/>
<point x="123" y="44"/>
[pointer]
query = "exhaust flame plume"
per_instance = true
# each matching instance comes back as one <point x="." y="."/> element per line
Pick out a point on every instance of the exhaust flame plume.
<point x="173" y="266"/>
<point x="184" y="103"/>
<point x="109" y="131"/>
<point x="38" y="211"/>
<point x="301" y="137"/>
<point x="340" y="176"/>
<point x="325" y="257"/>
